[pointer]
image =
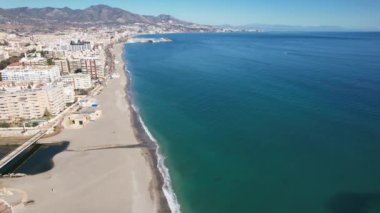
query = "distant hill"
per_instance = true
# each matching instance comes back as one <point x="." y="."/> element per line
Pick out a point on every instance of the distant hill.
<point x="92" y="16"/>
<point x="267" y="27"/>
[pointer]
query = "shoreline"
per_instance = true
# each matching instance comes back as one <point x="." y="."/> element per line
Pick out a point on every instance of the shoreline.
<point x="149" y="147"/>
<point x="167" y="197"/>
<point x="111" y="164"/>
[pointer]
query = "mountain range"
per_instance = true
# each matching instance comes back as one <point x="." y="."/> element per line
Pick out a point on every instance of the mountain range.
<point x="51" y="18"/>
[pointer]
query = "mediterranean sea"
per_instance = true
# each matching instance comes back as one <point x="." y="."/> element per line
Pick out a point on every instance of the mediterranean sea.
<point x="264" y="122"/>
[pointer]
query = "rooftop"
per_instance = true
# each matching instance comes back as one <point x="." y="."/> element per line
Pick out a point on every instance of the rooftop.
<point x="79" y="42"/>
<point x="19" y="67"/>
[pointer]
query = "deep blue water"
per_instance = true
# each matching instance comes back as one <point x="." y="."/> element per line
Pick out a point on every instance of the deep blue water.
<point x="265" y="122"/>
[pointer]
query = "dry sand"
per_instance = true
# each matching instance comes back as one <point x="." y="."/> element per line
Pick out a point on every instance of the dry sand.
<point x="99" y="180"/>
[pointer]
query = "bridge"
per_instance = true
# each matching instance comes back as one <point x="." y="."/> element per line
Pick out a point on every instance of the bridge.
<point x="52" y="123"/>
<point x="4" y="161"/>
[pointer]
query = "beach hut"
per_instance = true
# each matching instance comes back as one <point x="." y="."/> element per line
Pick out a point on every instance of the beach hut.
<point x="77" y="121"/>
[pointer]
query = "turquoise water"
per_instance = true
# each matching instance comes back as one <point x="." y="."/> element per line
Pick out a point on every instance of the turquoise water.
<point x="267" y="122"/>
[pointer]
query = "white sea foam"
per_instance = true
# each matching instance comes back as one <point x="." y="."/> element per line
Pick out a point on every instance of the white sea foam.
<point x="129" y="72"/>
<point x="167" y="185"/>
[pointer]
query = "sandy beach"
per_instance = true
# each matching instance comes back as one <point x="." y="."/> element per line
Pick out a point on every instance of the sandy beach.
<point x="104" y="168"/>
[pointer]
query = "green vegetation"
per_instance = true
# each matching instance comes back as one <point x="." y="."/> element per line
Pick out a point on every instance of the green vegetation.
<point x="11" y="60"/>
<point x="5" y="125"/>
<point x="20" y="122"/>
<point x="50" y="61"/>
<point x="81" y="92"/>
<point x="3" y="64"/>
<point x="14" y="59"/>
<point x="44" y="53"/>
<point x="11" y="123"/>
<point x="31" y="124"/>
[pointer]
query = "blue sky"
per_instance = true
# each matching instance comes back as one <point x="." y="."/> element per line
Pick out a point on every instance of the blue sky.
<point x="347" y="13"/>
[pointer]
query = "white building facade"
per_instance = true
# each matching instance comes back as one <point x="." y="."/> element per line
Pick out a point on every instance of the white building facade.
<point x="29" y="73"/>
<point x="69" y="94"/>
<point x="32" y="103"/>
<point x="79" y="46"/>
<point x="78" y="80"/>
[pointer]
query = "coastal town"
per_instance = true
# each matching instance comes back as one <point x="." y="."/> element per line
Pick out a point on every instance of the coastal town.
<point x="71" y="139"/>
<point x="197" y="106"/>
<point x="63" y="86"/>
<point x="70" y="86"/>
<point x="45" y="78"/>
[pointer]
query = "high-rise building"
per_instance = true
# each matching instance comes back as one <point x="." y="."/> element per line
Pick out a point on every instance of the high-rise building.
<point x="33" y="102"/>
<point x="93" y="66"/>
<point x="78" y="80"/>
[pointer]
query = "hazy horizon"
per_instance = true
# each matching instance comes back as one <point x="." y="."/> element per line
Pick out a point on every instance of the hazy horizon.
<point x="353" y="14"/>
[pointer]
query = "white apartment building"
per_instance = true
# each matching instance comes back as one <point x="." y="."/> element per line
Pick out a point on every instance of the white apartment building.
<point x="78" y="80"/>
<point x="69" y="94"/>
<point x="32" y="103"/>
<point x="79" y="46"/>
<point x="31" y="73"/>
<point x="55" y="97"/>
